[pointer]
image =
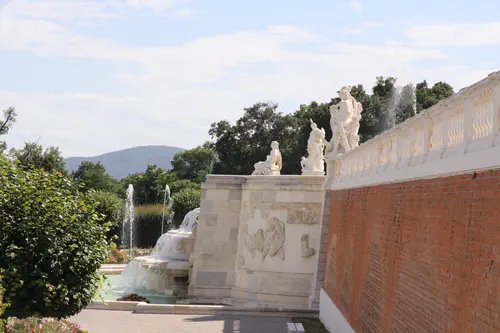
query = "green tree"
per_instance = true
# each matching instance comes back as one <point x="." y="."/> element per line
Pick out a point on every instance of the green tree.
<point x="93" y="176"/>
<point x="148" y="185"/>
<point x="52" y="243"/>
<point x="194" y="164"/>
<point x="185" y="200"/>
<point x="10" y="116"/>
<point x="35" y="156"/>
<point x="110" y="206"/>
<point x="320" y="114"/>
<point x="240" y="146"/>
<point x="427" y="97"/>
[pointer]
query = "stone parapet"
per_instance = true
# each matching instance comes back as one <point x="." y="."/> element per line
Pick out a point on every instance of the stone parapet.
<point x="456" y="135"/>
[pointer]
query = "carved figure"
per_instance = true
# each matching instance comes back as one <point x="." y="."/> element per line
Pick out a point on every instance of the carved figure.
<point x="275" y="239"/>
<point x="305" y="249"/>
<point x="273" y="163"/>
<point x="314" y="163"/>
<point x="344" y="122"/>
<point x="269" y="242"/>
<point x="254" y="242"/>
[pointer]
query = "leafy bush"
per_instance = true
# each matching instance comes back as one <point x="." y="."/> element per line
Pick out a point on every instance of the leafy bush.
<point x="111" y="206"/>
<point x="179" y="185"/>
<point x="52" y="243"/>
<point x="185" y="200"/>
<point x="123" y="256"/>
<point x="42" y="325"/>
<point x="3" y="306"/>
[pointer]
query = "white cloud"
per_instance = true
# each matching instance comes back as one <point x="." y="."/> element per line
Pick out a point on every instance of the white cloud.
<point x="183" y="13"/>
<point x="179" y="90"/>
<point x="365" y="26"/>
<point x="455" y="34"/>
<point x="356" y="5"/>
<point x="88" y="11"/>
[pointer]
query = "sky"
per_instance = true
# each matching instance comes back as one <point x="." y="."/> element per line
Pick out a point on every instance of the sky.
<point x="96" y="76"/>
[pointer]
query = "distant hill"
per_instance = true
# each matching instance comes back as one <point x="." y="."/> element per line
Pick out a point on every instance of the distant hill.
<point x="120" y="164"/>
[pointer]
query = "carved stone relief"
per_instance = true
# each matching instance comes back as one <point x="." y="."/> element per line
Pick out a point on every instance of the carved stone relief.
<point x="305" y="249"/>
<point x="298" y="213"/>
<point x="269" y="242"/>
<point x="241" y="261"/>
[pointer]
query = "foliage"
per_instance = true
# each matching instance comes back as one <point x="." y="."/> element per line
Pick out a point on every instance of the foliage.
<point x="3" y="305"/>
<point x="241" y="145"/>
<point x="42" y="325"/>
<point x="147" y="210"/>
<point x="115" y="255"/>
<point x="93" y="176"/>
<point x="10" y="116"/>
<point x="123" y="256"/>
<point x="111" y="207"/>
<point x="178" y="185"/>
<point x="52" y="243"/>
<point x="185" y="201"/>
<point x="238" y="147"/>
<point x="427" y="97"/>
<point x="195" y="164"/>
<point x="34" y="156"/>
<point x="149" y="185"/>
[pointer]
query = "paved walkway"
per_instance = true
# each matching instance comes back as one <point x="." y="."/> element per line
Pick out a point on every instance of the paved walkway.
<point x="99" y="321"/>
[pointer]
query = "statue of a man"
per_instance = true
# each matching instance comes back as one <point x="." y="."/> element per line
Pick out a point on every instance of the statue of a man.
<point x="273" y="163"/>
<point x="344" y="121"/>
<point x="314" y="163"/>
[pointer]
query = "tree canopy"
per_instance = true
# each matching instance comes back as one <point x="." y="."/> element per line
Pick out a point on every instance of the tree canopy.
<point x="194" y="164"/>
<point x="34" y="156"/>
<point x="239" y="146"/>
<point x="93" y="176"/>
<point x="10" y="116"/>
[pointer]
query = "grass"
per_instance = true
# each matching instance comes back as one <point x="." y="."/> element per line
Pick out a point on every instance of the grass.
<point x="144" y="210"/>
<point x="311" y="325"/>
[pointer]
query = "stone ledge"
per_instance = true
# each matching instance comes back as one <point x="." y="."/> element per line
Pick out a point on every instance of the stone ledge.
<point x="144" y="308"/>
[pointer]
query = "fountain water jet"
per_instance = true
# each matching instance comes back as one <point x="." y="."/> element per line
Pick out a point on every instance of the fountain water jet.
<point x="128" y="220"/>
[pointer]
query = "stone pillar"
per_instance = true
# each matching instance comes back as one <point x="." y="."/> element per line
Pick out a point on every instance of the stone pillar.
<point x="216" y="241"/>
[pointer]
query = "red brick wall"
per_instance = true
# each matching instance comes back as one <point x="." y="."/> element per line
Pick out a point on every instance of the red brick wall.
<point x="419" y="256"/>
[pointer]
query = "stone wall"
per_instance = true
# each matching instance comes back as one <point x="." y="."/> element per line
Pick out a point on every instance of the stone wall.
<point x="216" y="243"/>
<point x="258" y="240"/>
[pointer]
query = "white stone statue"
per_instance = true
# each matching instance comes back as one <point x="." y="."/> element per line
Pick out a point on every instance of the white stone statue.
<point x="344" y="121"/>
<point x="273" y="163"/>
<point x="314" y="163"/>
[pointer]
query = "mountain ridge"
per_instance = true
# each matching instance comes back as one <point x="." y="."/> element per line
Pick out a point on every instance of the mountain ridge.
<point x="121" y="163"/>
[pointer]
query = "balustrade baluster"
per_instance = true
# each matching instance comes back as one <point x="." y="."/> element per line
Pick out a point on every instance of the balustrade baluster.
<point x="467" y="124"/>
<point x="496" y="110"/>
<point x="444" y="130"/>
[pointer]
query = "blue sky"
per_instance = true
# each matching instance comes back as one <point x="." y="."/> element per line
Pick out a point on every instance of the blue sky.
<point x="100" y="75"/>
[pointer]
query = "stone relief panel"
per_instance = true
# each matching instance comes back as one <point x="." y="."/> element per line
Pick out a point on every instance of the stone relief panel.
<point x="269" y="241"/>
<point x="298" y="213"/>
<point x="306" y="251"/>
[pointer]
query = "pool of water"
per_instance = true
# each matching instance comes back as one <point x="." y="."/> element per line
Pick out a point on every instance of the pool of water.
<point x="112" y="290"/>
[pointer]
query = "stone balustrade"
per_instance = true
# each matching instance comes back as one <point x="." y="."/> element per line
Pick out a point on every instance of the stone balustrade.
<point x="458" y="127"/>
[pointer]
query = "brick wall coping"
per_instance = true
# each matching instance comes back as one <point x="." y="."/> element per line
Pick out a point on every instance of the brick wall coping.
<point x="456" y="135"/>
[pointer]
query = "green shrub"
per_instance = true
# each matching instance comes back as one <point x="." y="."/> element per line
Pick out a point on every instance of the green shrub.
<point x="3" y="306"/>
<point x="185" y="200"/>
<point x="52" y="243"/>
<point x="179" y="185"/>
<point x="112" y="207"/>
